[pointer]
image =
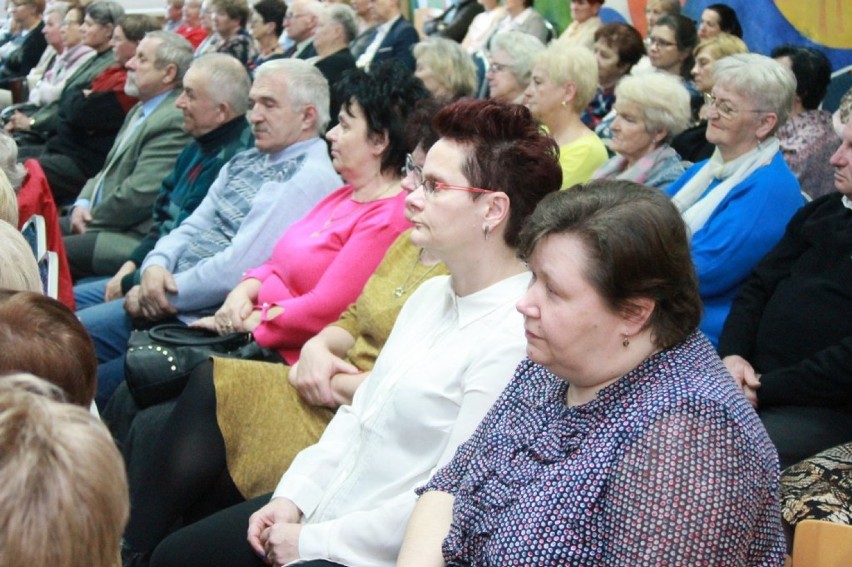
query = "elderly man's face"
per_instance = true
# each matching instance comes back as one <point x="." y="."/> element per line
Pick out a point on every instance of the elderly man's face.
<point x="842" y="162"/>
<point x="201" y="112"/>
<point x="300" y="22"/>
<point x="144" y="79"/>
<point x="276" y="124"/>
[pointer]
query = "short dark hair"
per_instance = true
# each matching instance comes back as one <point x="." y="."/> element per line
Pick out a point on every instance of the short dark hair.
<point x="686" y="36"/>
<point x="508" y="152"/>
<point x="135" y="26"/>
<point x="235" y="9"/>
<point x="637" y="245"/>
<point x="43" y="337"/>
<point x="272" y="11"/>
<point x="418" y="128"/>
<point x="812" y="70"/>
<point x="625" y="40"/>
<point x="728" y="20"/>
<point x="387" y="96"/>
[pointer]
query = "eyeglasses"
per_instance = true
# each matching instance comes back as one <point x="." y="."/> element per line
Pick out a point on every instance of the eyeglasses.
<point x="497" y="67"/>
<point x="724" y="109"/>
<point x="430" y="186"/>
<point x="661" y="43"/>
<point x="294" y="16"/>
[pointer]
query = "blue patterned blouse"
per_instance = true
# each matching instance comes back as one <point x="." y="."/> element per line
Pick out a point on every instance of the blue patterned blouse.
<point x="667" y="466"/>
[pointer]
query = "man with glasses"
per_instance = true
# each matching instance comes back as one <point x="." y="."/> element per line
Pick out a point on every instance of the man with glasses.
<point x="300" y="23"/>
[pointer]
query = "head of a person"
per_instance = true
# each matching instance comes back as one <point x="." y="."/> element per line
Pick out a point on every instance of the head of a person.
<point x="38" y="334"/>
<point x="708" y="52"/>
<point x="206" y="16"/>
<point x="289" y="101"/>
<point x="63" y="487"/>
<point x="841" y="161"/>
<point x="618" y="47"/>
<point x="336" y="28"/>
<point x="174" y="10"/>
<point x="582" y="10"/>
<point x="267" y="18"/>
<point x="215" y="91"/>
<point x="564" y="79"/>
<point x="670" y="44"/>
<point x="128" y="33"/>
<point x="26" y="12"/>
<point x="445" y="68"/>
<point x="751" y="98"/>
<point x="53" y="18"/>
<point x="191" y="13"/>
<point x="812" y="70"/>
<point x="370" y="134"/>
<point x="363" y="8"/>
<point x="510" y="64"/>
<point x="8" y="201"/>
<point x="99" y="22"/>
<point x="301" y="19"/>
<point x="71" y="30"/>
<point x="162" y="59"/>
<point x="650" y="110"/>
<point x="420" y="135"/>
<point x="655" y="9"/>
<point x="843" y="113"/>
<point x="719" y="18"/>
<point x="620" y="251"/>
<point x="18" y="267"/>
<point x="489" y="169"/>
<point x="15" y="172"/>
<point x="229" y="16"/>
<point x="515" y="7"/>
<point x="384" y="10"/>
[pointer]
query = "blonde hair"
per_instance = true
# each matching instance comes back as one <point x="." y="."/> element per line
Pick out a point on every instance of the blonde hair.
<point x="450" y="63"/>
<point x="18" y="266"/>
<point x="8" y="201"/>
<point x="662" y="98"/>
<point x="571" y="64"/>
<point x="721" y="46"/>
<point x="63" y="489"/>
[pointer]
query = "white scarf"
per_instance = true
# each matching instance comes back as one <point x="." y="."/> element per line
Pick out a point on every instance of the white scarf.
<point x="696" y="209"/>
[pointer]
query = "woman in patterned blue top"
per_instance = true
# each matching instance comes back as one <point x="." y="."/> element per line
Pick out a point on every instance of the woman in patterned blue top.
<point x="622" y="440"/>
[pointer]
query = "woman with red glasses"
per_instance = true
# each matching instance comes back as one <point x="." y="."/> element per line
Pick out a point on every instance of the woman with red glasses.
<point x="346" y="499"/>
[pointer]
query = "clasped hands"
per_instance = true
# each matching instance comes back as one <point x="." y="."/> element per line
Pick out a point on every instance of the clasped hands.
<point x="273" y="532"/>
<point x="745" y="376"/>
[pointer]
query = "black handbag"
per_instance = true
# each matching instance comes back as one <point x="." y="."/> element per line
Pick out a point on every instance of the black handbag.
<point x="159" y="360"/>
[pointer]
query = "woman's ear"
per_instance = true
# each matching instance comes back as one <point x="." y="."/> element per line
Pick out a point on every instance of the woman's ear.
<point x="768" y="121"/>
<point x="497" y="206"/>
<point x="380" y="142"/>
<point x="636" y="313"/>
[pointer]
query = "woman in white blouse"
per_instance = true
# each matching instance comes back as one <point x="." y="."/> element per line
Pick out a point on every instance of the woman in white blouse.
<point x="453" y="348"/>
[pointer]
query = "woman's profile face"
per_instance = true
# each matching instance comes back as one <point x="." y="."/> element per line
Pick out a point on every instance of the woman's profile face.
<point x="630" y="136"/>
<point x="711" y="24"/>
<point x="609" y="68"/>
<point x="732" y="122"/>
<point x="444" y="221"/>
<point x="702" y="71"/>
<point x="70" y="30"/>
<point x="544" y="97"/>
<point x="569" y="327"/>
<point x="582" y="10"/>
<point x="351" y="148"/>
<point x="502" y="84"/>
<point x="663" y="51"/>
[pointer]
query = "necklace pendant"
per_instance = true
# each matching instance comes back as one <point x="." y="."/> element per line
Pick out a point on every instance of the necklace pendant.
<point x="399" y="292"/>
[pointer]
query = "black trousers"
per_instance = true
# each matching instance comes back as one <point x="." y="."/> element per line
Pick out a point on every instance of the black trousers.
<point x="799" y="432"/>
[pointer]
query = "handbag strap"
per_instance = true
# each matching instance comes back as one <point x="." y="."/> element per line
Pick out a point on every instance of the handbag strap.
<point x="175" y="334"/>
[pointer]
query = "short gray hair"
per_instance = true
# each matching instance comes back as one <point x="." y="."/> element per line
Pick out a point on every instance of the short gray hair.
<point x="105" y="12"/>
<point x="18" y="266"/>
<point x="174" y="50"/>
<point x="768" y="84"/>
<point x="522" y="49"/>
<point x="662" y="98"/>
<point x="15" y="172"/>
<point x="59" y="8"/>
<point x="344" y="15"/>
<point x="226" y="80"/>
<point x="306" y="86"/>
